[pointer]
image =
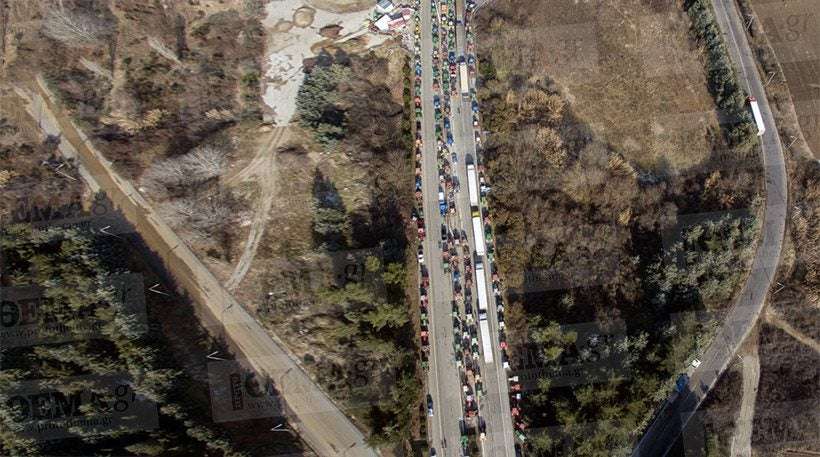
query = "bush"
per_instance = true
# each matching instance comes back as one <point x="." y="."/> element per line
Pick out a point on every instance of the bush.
<point x="723" y="83"/>
<point x="317" y="102"/>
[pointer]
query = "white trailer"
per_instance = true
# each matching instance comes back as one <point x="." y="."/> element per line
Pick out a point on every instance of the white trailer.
<point x="464" y="79"/>
<point x="478" y="234"/>
<point x="472" y="183"/>
<point x="761" y="128"/>
<point x="481" y="287"/>
<point x="486" y="346"/>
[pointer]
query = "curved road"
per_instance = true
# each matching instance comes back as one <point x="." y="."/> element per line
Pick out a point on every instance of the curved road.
<point x="674" y="415"/>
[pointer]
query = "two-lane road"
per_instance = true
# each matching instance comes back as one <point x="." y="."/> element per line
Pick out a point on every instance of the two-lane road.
<point x="673" y="417"/>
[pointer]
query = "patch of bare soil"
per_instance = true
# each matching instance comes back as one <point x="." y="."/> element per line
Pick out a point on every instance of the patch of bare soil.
<point x="264" y="172"/>
<point x="750" y="361"/>
<point x="341" y="6"/>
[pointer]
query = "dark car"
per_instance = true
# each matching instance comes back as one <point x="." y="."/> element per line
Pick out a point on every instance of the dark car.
<point x="429" y="405"/>
<point x="443" y="232"/>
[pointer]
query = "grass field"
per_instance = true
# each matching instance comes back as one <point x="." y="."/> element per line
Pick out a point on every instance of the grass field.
<point x="629" y="69"/>
<point x="793" y="29"/>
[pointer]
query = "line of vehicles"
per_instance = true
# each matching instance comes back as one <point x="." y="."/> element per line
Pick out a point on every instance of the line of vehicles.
<point x="484" y="242"/>
<point x="457" y="256"/>
<point x="466" y="348"/>
<point x="456" y="252"/>
<point x="451" y="240"/>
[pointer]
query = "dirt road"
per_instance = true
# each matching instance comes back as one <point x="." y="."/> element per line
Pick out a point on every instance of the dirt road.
<point x="773" y="317"/>
<point x="742" y="437"/>
<point x="317" y="420"/>
<point x="263" y="169"/>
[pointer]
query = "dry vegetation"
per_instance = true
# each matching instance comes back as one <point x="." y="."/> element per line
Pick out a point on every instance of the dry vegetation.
<point x="619" y="184"/>
<point x="152" y="83"/>
<point x="629" y="69"/>
<point x="347" y="195"/>
<point x="793" y="31"/>
<point x="30" y="188"/>
<point x="788" y="395"/>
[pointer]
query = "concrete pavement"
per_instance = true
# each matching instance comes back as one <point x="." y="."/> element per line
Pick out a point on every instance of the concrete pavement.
<point x="443" y="377"/>
<point x="495" y="406"/>
<point x="740" y="320"/>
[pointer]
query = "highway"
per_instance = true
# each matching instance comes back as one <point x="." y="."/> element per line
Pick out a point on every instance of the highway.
<point x="443" y="376"/>
<point x="673" y="416"/>
<point x="495" y="406"/>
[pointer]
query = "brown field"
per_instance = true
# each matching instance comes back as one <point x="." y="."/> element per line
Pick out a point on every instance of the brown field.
<point x="629" y="69"/>
<point x="793" y="29"/>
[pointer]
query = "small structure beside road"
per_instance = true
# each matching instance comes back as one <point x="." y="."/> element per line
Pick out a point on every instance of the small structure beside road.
<point x="391" y="18"/>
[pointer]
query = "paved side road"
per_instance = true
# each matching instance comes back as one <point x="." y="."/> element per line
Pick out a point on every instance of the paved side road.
<point x="673" y="417"/>
<point x="318" y="421"/>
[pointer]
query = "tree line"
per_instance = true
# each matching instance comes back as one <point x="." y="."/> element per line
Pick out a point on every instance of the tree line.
<point x="369" y="348"/>
<point x="588" y="240"/>
<point x="70" y="269"/>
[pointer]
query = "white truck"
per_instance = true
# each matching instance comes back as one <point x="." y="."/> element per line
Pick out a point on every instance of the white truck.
<point x="486" y="346"/>
<point x="481" y="286"/>
<point x="478" y="234"/>
<point x="472" y="183"/>
<point x="464" y="79"/>
<point x="761" y="128"/>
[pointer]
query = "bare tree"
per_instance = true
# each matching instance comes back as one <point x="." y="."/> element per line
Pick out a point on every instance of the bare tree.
<point x="204" y="216"/>
<point x="205" y="162"/>
<point x="75" y="28"/>
<point x="200" y="165"/>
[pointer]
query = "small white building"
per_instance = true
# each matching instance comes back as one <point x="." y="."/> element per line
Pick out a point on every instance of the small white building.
<point x="383" y="23"/>
<point x="384" y="6"/>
